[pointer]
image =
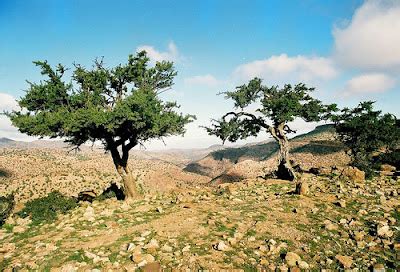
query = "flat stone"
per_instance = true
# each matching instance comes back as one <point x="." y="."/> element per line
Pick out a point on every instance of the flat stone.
<point x="152" y="267"/>
<point x="345" y="261"/>
<point x="384" y="231"/>
<point x="378" y="268"/>
<point x="221" y="246"/>
<point x="292" y="258"/>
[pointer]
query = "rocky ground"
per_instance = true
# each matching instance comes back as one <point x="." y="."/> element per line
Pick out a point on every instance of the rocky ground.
<point x="251" y="225"/>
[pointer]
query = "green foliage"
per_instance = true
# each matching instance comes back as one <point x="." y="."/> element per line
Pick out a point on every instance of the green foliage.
<point x="366" y="132"/>
<point x="111" y="105"/>
<point x="6" y="207"/>
<point x="79" y="256"/>
<point x="279" y="105"/>
<point x="391" y="157"/>
<point x="45" y="209"/>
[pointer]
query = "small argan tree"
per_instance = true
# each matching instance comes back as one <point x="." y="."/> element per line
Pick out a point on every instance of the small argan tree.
<point x="367" y="132"/>
<point x="117" y="106"/>
<point x="277" y="107"/>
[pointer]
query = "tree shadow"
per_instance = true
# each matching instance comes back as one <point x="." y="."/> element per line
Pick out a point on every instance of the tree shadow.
<point x="114" y="191"/>
<point x="4" y="173"/>
<point x="257" y="152"/>
<point x="196" y="168"/>
<point x="226" y="178"/>
<point x="320" y="148"/>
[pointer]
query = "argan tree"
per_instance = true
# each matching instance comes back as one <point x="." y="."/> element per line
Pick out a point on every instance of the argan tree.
<point x="119" y="107"/>
<point x="366" y="133"/>
<point x="276" y="108"/>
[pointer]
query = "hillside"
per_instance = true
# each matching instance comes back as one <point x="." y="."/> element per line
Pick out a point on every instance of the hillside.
<point x="317" y="148"/>
<point x="184" y="223"/>
<point x="41" y="170"/>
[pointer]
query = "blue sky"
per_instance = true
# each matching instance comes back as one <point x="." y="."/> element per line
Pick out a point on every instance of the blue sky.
<point x="349" y="49"/>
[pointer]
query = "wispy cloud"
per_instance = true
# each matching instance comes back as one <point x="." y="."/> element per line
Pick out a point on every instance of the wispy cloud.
<point x="369" y="84"/>
<point x="283" y="67"/>
<point x="202" y="80"/>
<point x="171" y="54"/>
<point x="7" y="102"/>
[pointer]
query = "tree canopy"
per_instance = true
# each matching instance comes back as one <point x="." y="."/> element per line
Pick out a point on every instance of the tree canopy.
<point x="365" y="132"/>
<point x="118" y="106"/>
<point x="276" y="107"/>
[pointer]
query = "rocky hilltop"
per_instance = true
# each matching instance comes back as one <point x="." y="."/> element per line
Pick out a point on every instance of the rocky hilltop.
<point x="217" y="212"/>
<point x="251" y="225"/>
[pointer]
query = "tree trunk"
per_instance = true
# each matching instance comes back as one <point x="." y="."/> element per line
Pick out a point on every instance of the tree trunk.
<point x="121" y="164"/>
<point x="285" y="170"/>
<point x="130" y="187"/>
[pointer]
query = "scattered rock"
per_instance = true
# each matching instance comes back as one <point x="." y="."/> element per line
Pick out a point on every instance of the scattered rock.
<point x="388" y="168"/>
<point x="353" y="174"/>
<point x="345" y="261"/>
<point x="341" y="203"/>
<point x="19" y="229"/>
<point x="153" y="244"/>
<point x="152" y="267"/>
<point x="160" y="209"/>
<point x="88" y="196"/>
<point x="378" y="268"/>
<point x="330" y="226"/>
<point x="142" y="260"/>
<point x="384" y="232"/>
<point x="359" y="235"/>
<point x="303" y="265"/>
<point x="89" y="214"/>
<point x="130" y="247"/>
<point x="146" y="233"/>
<point x="292" y="258"/>
<point x="68" y="268"/>
<point x="221" y="246"/>
<point x="166" y="248"/>
<point x="302" y="188"/>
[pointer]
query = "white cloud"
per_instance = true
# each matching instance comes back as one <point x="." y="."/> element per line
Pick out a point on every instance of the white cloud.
<point x="7" y="102"/>
<point x="286" y="68"/>
<point x="204" y="80"/>
<point x="372" y="38"/>
<point x="172" y="53"/>
<point x="369" y="83"/>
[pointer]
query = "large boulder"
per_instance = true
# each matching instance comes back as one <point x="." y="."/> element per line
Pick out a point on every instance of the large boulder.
<point x="388" y="168"/>
<point x="353" y="174"/>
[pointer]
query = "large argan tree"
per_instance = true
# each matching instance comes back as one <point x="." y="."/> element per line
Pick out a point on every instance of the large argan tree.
<point x="119" y="107"/>
<point x="276" y="108"/>
<point x="367" y="132"/>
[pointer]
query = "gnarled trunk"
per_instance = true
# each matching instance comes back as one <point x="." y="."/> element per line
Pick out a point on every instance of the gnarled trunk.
<point x="121" y="164"/>
<point x="285" y="170"/>
<point x="130" y="187"/>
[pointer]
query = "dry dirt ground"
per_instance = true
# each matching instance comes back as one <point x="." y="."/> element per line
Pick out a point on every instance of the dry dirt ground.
<point x="253" y="225"/>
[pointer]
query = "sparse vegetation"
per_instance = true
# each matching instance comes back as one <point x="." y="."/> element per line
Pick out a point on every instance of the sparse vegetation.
<point x="45" y="209"/>
<point x="6" y="207"/>
<point x="366" y="132"/>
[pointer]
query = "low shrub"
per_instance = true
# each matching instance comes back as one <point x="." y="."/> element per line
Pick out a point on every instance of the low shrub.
<point x="392" y="158"/>
<point x="6" y="207"/>
<point x="45" y="209"/>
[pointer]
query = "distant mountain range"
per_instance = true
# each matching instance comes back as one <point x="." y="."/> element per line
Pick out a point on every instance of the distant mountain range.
<point x="6" y="142"/>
